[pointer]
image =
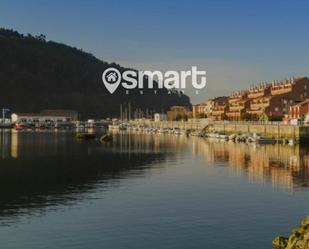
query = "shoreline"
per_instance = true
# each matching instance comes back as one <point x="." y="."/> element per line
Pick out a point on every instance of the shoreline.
<point x="236" y="131"/>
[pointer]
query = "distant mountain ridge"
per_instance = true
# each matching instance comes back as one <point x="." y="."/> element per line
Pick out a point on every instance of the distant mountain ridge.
<point x="36" y="74"/>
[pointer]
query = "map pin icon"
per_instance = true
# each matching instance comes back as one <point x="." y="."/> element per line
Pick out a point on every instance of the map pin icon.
<point x="111" y="78"/>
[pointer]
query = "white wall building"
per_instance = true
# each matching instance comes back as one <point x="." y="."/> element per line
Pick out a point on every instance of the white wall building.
<point x="38" y="118"/>
<point x="160" y="117"/>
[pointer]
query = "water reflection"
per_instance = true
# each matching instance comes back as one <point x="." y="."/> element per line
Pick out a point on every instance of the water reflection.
<point x="284" y="166"/>
<point x="40" y="170"/>
<point x="46" y="170"/>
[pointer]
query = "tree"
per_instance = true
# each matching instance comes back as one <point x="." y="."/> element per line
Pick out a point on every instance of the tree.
<point x="51" y="75"/>
<point x="263" y="117"/>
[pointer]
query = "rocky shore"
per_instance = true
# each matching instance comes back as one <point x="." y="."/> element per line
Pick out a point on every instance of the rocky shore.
<point x="299" y="239"/>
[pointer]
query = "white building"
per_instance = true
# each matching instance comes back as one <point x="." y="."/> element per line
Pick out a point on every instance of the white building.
<point x="160" y="117"/>
<point x="38" y="118"/>
<point x="5" y="121"/>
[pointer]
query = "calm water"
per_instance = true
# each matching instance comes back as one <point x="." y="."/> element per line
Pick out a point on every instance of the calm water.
<point x="147" y="191"/>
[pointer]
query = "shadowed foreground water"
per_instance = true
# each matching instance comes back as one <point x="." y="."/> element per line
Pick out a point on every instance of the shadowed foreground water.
<point x="147" y="191"/>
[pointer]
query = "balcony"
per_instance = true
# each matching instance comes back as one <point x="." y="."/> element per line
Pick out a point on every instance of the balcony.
<point x="275" y="90"/>
<point x="217" y="112"/>
<point x="255" y="111"/>
<point x="254" y="95"/>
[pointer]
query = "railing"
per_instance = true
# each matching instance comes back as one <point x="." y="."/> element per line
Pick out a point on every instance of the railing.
<point x="255" y="122"/>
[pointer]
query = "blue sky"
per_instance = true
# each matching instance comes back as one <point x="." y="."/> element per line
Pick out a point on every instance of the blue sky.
<point x="237" y="42"/>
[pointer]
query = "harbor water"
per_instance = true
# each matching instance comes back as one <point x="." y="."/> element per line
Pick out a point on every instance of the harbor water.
<point x="155" y="191"/>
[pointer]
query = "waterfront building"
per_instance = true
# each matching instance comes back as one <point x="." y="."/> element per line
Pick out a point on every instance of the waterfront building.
<point x="238" y="103"/>
<point x="282" y="95"/>
<point x="199" y="110"/>
<point x="273" y="99"/>
<point x="203" y="110"/>
<point x="209" y="107"/>
<point x="237" y="109"/>
<point x="46" y="116"/>
<point x="299" y="110"/>
<point x="219" y="108"/>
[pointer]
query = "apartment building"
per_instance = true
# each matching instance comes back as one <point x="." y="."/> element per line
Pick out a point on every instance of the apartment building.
<point x="284" y="94"/>
<point x="272" y="98"/>
<point x="238" y="103"/>
<point x="299" y="110"/>
<point x="219" y="108"/>
<point x="203" y="110"/>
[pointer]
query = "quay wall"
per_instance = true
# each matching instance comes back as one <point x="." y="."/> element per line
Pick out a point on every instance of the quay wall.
<point x="172" y="124"/>
<point x="273" y="130"/>
<point x="268" y="130"/>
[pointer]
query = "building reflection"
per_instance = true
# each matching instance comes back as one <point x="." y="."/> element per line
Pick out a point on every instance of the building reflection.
<point x="4" y="143"/>
<point x="284" y="166"/>
<point x="16" y="144"/>
<point x="40" y="170"/>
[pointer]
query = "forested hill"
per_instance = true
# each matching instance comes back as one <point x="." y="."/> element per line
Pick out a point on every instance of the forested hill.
<point x="36" y="74"/>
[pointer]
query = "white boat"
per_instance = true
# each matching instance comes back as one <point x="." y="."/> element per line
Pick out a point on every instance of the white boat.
<point x="291" y="142"/>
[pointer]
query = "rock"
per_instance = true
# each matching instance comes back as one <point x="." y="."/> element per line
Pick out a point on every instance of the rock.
<point x="280" y="242"/>
<point x="299" y="239"/>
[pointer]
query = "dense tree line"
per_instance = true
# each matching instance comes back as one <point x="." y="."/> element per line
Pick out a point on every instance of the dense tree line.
<point x="37" y="74"/>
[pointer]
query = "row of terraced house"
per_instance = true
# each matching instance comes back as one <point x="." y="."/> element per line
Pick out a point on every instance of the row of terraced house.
<point x="277" y="100"/>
